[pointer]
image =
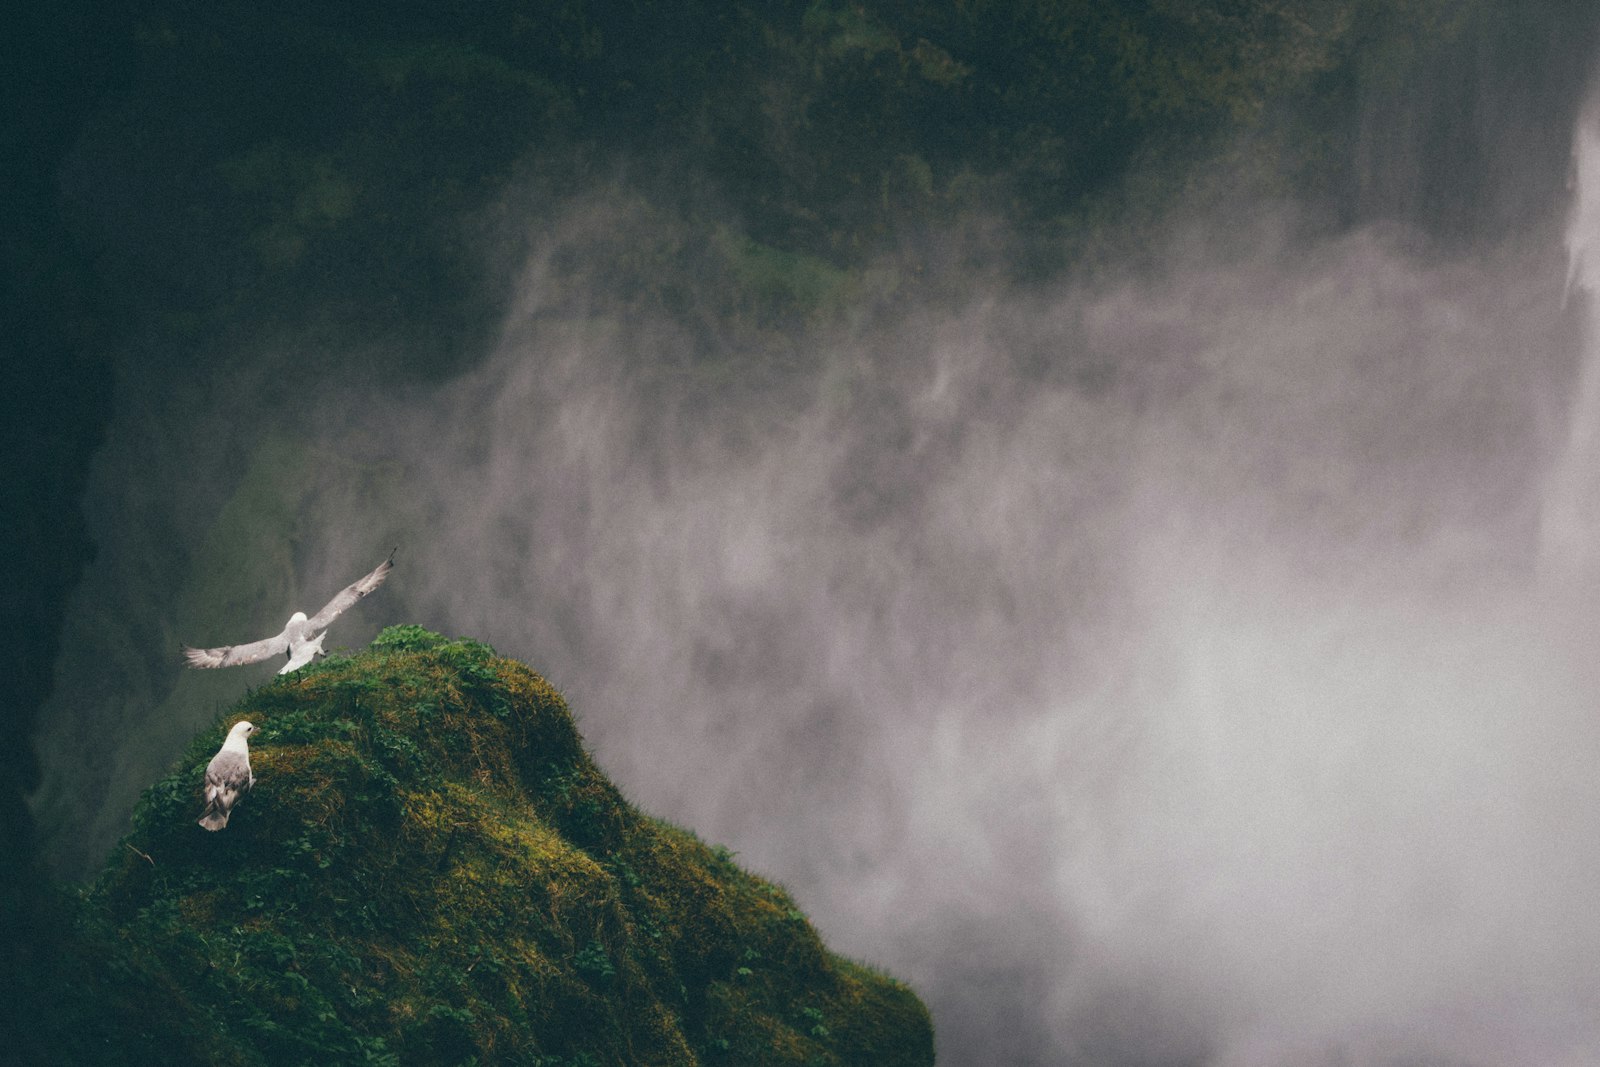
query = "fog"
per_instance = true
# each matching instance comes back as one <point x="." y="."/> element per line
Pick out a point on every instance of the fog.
<point x="1183" y="665"/>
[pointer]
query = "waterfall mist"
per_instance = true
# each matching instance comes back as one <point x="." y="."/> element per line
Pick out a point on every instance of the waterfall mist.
<point x="1171" y="667"/>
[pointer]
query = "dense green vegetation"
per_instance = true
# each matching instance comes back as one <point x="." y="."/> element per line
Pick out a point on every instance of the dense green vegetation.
<point x="431" y="869"/>
<point x="320" y="169"/>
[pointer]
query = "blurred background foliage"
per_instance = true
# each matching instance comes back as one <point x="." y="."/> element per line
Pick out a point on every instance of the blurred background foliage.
<point x="273" y="164"/>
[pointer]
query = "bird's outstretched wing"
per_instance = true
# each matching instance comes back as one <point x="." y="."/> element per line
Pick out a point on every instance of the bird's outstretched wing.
<point x="233" y="655"/>
<point x="349" y="595"/>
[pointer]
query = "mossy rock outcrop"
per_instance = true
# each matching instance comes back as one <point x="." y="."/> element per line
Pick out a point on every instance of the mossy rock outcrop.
<point x="432" y="870"/>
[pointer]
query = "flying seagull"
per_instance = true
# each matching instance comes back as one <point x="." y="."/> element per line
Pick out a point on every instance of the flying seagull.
<point x="301" y="638"/>
<point x="228" y="776"/>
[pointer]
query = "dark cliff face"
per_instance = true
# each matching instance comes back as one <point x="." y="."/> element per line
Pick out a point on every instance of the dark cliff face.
<point x="431" y="869"/>
<point x="55" y="398"/>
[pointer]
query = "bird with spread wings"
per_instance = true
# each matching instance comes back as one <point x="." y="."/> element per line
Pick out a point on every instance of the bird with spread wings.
<point x="301" y="639"/>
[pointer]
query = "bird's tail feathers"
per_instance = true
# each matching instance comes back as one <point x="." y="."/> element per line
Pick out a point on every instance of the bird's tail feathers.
<point x="215" y="818"/>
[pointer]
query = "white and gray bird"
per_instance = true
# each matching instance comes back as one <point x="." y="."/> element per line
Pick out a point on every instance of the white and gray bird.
<point x="228" y="776"/>
<point x="301" y="639"/>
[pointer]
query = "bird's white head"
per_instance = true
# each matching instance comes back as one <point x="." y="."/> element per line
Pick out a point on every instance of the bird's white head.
<point x="241" y="730"/>
<point x="298" y="616"/>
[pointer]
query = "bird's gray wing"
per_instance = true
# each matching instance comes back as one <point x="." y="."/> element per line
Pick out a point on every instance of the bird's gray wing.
<point x="349" y="595"/>
<point x="233" y="655"/>
<point x="228" y="772"/>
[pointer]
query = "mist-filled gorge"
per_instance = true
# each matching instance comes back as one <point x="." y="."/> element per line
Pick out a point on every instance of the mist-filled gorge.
<point x="1154" y="617"/>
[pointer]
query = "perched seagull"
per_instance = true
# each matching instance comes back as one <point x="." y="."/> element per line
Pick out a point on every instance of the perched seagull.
<point x="228" y="776"/>
<point x="301" y="638"/>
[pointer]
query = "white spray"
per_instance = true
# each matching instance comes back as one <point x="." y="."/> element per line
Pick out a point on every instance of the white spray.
<point x="1570" y="523"/>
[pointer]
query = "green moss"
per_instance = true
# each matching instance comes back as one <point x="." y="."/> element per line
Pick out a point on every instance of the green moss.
<point x="406" y="638"/>
<point x="431" y="869"/>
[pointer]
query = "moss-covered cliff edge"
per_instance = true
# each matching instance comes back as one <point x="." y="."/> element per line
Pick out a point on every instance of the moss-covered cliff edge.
<point x="431" y="869"/>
